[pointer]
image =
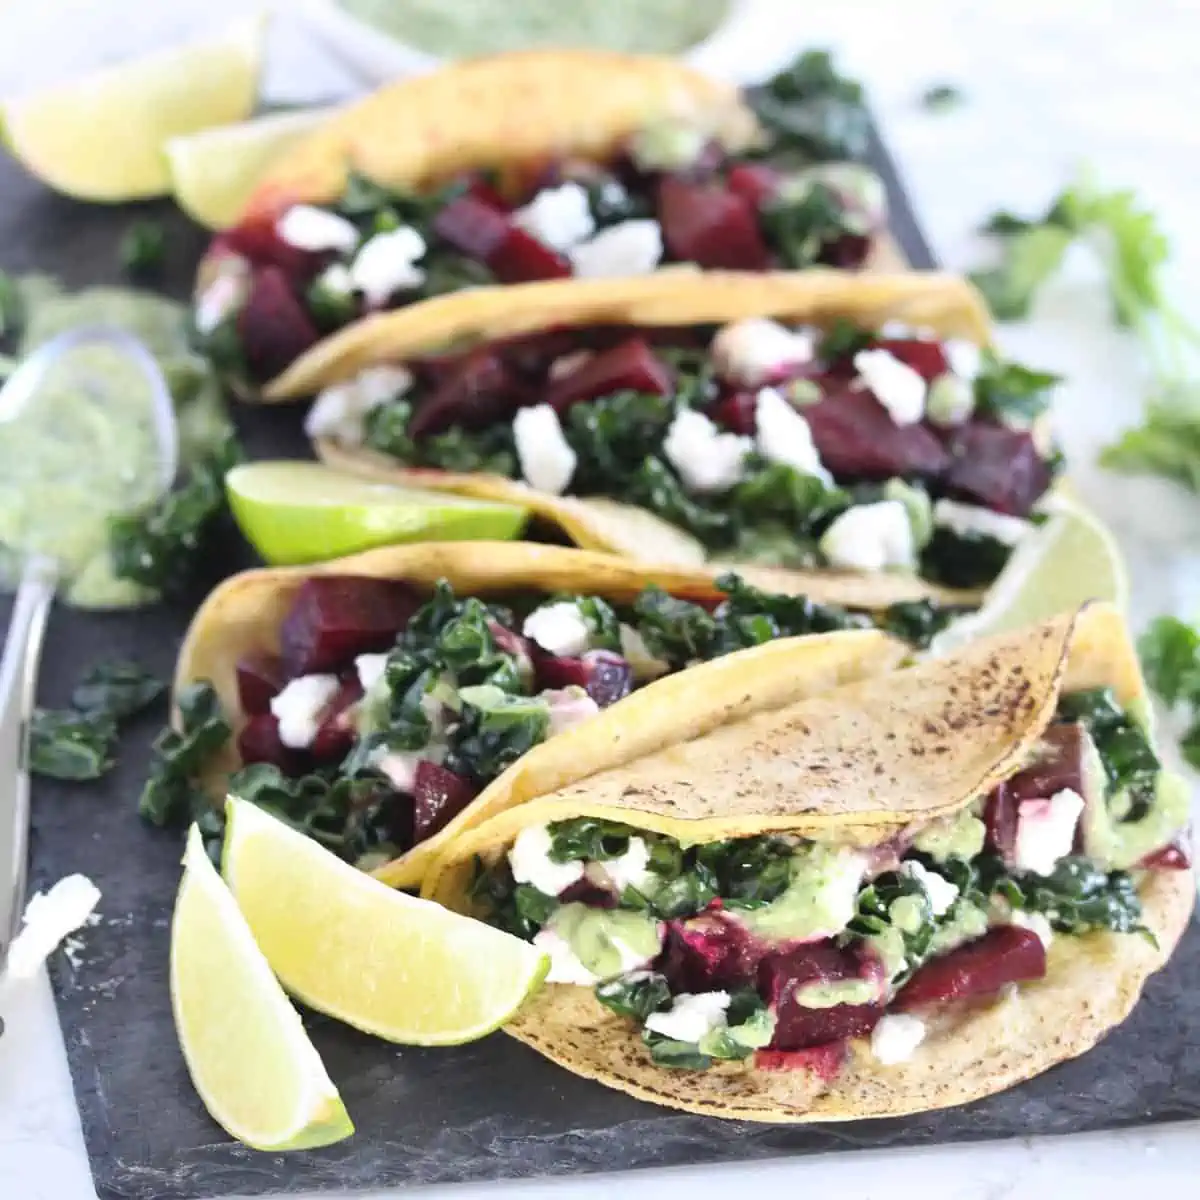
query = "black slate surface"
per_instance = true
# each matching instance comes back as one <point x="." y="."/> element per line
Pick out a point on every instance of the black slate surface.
<point x="493" y="1110"/>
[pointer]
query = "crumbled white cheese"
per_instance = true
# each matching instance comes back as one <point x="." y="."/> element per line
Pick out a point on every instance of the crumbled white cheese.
<point x="299" y="706"/>
<point x="569" y="706"/>
<point x="369" y="668"/>
<point x="340" y="409"/>
<point x="224" y="295"/>
<point x="547" y="460"/>
<point x="49" y="918"/>
<point x="634" y="650"/>
<point x="941" y="892"/>
<point x="558" y="628"/>
<point x="337" y="278"/>
<point x="1036" y="921"/>
<point x="565" y="966"/>
<point x="964" y="357"/>
<point x="387" y="264"/>
<point x="895" y="1038"/>
<point x="1046" y="831"/>
<point x="755" y="351"/>
<point x="870" y="537"/>
<point x="559" y="217"/>
<point x="895" y="384"/>
<point x="631" y="869"/>
<point x="706" y="459"/>
<point x="784" y="435"/>
<point x="966" y="519"/>
<point x="531" y="863"/>
<point x="691" y="1016"/>
<point x="628" y="248"/>
<point x="400" y="767"/>
<point x="316" y="230"/>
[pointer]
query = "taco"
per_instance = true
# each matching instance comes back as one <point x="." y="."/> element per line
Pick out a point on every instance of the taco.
<point x="875" y="901"/>
<point x="799" y="421"/>
<point x="539" y="165"/>
<point x="385" y="702"/>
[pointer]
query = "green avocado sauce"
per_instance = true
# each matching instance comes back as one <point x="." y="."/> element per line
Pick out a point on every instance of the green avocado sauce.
<point x="1120" y="845"/>
<point x="67" y="463"/>
<point x="961" y="836"/>
<point x="843" y="991"/>
<point x="813" y="904"/>
<point x="592" y="934"/>
<point x="488" y="26"/>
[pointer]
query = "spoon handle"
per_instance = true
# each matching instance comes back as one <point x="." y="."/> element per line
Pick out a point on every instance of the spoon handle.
<point x="18" y="681"/>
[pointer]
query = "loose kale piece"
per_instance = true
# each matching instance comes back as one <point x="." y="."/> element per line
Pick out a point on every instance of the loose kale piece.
<point x="172" y="794"/>
<point x="677" y="631"/>
<point x="65" y="744"/>
<point x="789" y="616"/>
<point x="158" y="546"/>
<point x="1012" y="393"/>
<point x="656" y="487"/>
<point x="810" y="109"/>
<point x="363" y="201"/>
<point x="143" y="249"/>
<point x="874" y="916"/>
<point x="119" y="688"/>
<point x="330" y="307"/>
<point x="942" y="97"/>
<point x="958" y="560"/>
<point x="637" y="995"/>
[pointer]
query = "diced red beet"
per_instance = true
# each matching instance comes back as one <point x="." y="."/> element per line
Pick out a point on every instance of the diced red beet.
<point x="1175" y="857"/>
<point x="273" y="326"/>
<point x="1006" y="954"/>
<point x="782" y="974"/>
<point x="825" y="1061"/>
<point x="559" y="671"/>
<point x="439" y="795"/>
<point x="996" y="467"/>
<point x="710" y="225"/>
<point x="1000" y="820"/>
<point x="856" y="437"/>
<point x="260" y="679"/>
<point x="584" y="891"/>
<point x="472" y="226"/>
<point x="478" y="392"/>
<point x="257" y="239"/>
<point x="631" y="366"/>
<point x="258" y="742"/>
<point x="736" y="412"/>
<point x="335" y="733"/>
<point x="333" y="618"/>
<point x="847" y="252"/>
<point x="609" y="677"/>
<point x="482" y="190"/>
<point x="754" y="182"/>
<point x="711" y="952"/>
<point x="927" y="358"/>
<point x="521" y="258"/>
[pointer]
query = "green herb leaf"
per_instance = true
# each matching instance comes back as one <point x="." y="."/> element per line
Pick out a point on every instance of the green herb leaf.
<point x="64" y="744"/>
<point x="588" y="838"/>
<point x="1012" y="393"/>
<point x="1078" y="897"/>
<point x="1167" y="443"/>
<point x="118" y="688"/>
<point x="330" y="307"/>
<point x="942" y="97"/>
<point x="1170" y="654"/>
<point x="678" y="1056"/>
<point x="1031" y="257"/>
<point x="143" y="249"/>
<point x="801" y="228"/>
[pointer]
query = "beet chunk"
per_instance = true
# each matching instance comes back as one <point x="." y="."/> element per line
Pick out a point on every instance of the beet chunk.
<point x="631" y="366"/>
<point x="259" y="742"/>
<point x="737" y="412"/>
<point x="1174" y="857"/>
<point x="847" y="252"/>
<point x="710" y="225"/>
<point x="610" y="677"/>
<point x="470" y="225"/>
<point x="1007" y="954"/>
<point x="439" y="795"/>
<point x="555" y="671"/>
<point x="335" y="734"/>
<point x="479" y="391"/>
<point x="273" y="326"/>
<point x="996" y="467"/>
<point x="333" y="618"/>
<point x="260" y="679"/>
<point x="711" y="952"/>
<point x="857" y="438"/>
<point x="756" y="183"/>
<point x="521" y="258"/>
<point x="825" y="1061"/>
<point x="257" y="239"/>
<point x="797" y="1027"/>
<point x="927" y="358"/>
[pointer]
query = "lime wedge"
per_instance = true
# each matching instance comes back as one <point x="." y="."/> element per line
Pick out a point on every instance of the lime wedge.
<point x="1070" y="560"/>
<point x="213" y="172"/>
<point x="245" y="1046"/>
<point x="100" y="137"/>
<point x="345" y="944"/>
<point x="300" y="512"/>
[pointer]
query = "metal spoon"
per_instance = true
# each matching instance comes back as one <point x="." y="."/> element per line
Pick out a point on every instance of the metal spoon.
<point x="39" y="577"/>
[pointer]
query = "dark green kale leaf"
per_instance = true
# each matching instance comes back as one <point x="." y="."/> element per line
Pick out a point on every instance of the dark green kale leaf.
<point x="494" y="731"/>
<point x="1079" y="897"/>
<point x="789" y="616"/>
<point x="637" y="995"/>
<point x="957" y="560"/>
<point x="172" y="794"/>
<point x="604" y="626"/>
<point x="448" y="271"/>
<point x="119" y="688"/>
<point x="158" y="547"/>
<point x="143" y="249"/>
<point x="843" y="340"/>
<point x="386" y="429"/>
<point x="330" y="307"/>
<point x="677" y="631"/>
<point x="610" y="435"/>
<point x="375" y="208"/>
<point x="750" y="872"/>
<point x="65" y="744"/>
<point x="656" y="487"/>
<point x="588" y="838"/>
<point x="611" y="202"/>
<point x="1130" y="763"/>
<point x="1012" y="393"/>
<point x="517" y="908"/>
<point x="918" y="622"/>
<point x="873" y="915"/>
<point x="799" y="229"/>
<point x="750" y="1025"/>
<point x="489" y="451"/>
<point x="679" y="1056"/>
<point x="777" y="492"/>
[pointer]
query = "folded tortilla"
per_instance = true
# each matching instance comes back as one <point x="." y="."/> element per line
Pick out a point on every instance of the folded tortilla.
<point x="245" y="613"/>
<point x="498" y="110"/>
<point x="858" y="764"/>
<point x="944" y="303"/>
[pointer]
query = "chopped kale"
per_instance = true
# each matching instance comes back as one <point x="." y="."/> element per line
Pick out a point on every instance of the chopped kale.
<point x="971" y="560"/>
<point x="799" y="230"/>
<point x="119" y="688"/>
<point x="363" y="201"/>
<point x="330" y="307"/>
<point x="66" y="744"/>
<point x="1012" y="393"/>
<point x="920" y="621"/>
<point x="517" y="908"/>
<point x="610" y="435"/>
<point x="588" y="838"/>
<point x="636" y="995"/>
<point x="749" y="1026"/>
<point x="843" y="340"/>
<point x="1130" y="764"/>
<point x="493" y="734"/>
<point x="143" y="249"/>
<point x="750" y="872"/>
<point x="488" y="451"/>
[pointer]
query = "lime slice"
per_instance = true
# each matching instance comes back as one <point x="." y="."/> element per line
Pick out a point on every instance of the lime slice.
<point x="100" y="137"/>
<point x="213" y="172"/>
<point x="245" y="1046"/>
<point x="1070" y="560"/>
<point x="300" y="512"/>
<point x="345" y="944"/>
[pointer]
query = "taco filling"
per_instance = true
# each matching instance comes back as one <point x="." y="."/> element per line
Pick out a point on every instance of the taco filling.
<point x="863" y="449"/>
<point x="387" y="711"/>
<point x="779" y="949"/>
<point x="672" y="192"/>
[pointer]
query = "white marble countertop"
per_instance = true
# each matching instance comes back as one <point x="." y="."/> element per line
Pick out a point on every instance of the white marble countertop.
<point x="1048" y="87"/>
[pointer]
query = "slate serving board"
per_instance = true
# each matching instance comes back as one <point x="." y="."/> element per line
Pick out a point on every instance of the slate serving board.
<point x="489" y="1111"/>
